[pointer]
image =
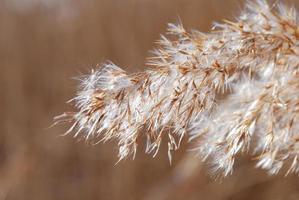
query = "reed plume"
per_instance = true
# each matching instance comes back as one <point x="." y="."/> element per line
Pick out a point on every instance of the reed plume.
<point x="231" y="91"/>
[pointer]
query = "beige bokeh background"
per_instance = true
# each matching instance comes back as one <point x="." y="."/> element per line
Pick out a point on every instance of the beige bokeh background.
<point x="43" y="44"/>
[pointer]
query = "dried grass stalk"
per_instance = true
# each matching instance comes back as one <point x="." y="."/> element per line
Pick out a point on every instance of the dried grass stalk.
<point x="233" y="90"/>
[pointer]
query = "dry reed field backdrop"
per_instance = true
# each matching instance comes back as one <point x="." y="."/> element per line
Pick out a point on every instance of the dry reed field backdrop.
<point x="44" y="44"/>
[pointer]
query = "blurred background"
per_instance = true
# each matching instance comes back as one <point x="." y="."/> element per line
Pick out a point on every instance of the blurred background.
<point x="43" y="45"/>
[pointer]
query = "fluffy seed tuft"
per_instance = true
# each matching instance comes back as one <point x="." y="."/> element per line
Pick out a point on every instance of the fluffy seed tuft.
<point x="233" y="90"/>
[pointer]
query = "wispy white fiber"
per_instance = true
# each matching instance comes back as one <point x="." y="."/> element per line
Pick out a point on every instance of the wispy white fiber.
<point x="231" y="91"/>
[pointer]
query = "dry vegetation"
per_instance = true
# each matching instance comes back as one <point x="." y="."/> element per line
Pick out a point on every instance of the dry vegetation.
<point x="40" y="46"/>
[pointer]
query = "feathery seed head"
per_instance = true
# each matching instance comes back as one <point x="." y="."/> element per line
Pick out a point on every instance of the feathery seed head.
<point x="233" y="90"/>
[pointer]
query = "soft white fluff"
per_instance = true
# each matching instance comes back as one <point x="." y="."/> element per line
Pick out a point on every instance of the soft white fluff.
<point x="233" y="90"/>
